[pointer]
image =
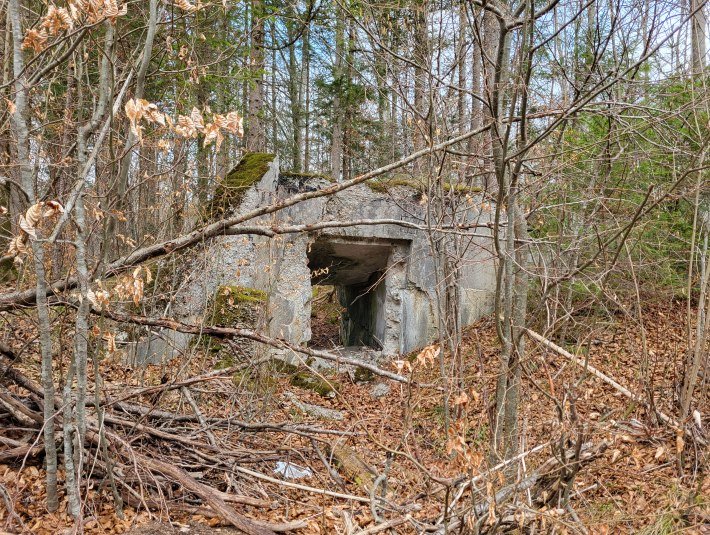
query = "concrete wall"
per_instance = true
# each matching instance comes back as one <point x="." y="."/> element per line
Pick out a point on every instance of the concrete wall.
<point x="279" y="266"/>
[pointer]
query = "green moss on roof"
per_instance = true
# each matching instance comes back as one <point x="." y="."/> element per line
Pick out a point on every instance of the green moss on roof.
<point x="462" y="188"/>
<point x="230" y="191"/>
<point x="383" y="185"/>
<point x="302" y="176"/>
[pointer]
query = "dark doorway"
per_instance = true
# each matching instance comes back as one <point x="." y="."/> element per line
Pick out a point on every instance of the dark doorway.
<point x="355" y="269"/>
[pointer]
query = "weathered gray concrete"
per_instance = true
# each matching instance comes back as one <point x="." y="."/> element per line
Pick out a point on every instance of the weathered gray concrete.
<point x="395" y="263"/>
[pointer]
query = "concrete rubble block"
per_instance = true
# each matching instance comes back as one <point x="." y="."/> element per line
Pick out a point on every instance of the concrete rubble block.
<point x="380" y="390"/>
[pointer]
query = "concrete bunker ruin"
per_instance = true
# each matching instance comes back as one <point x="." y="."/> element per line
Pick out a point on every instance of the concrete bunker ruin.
<point x="383" y="273"/>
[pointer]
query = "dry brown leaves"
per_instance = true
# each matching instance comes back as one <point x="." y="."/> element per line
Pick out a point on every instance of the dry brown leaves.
<point x="57" y="20"/>
<point x="634" y="485"/>
<point x="186" y="126"/>
<point x="28" y="223"/>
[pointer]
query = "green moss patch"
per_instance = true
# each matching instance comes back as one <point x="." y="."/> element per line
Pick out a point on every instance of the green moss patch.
<point x="255" y="380"/>
<point x="383" y="185"/>
<point x="325" y="388"/>
<point x="291" y="176"/>
<point x="230" y="191"/>
<point x="301" y="377"/>
<point x="363" y="375"/>
<point x="234" y="306"/>
<point x="461" y="189"/>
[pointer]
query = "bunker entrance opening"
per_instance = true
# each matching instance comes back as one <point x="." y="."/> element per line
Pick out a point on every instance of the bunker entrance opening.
<point x="349" y="298"/>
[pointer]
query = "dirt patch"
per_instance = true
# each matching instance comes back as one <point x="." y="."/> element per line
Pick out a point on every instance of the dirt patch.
<point x="162" y="528"/>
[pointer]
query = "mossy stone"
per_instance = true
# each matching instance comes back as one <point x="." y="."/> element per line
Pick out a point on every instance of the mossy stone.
<point x="255" y="380"/>
<point x="234" y="306"/>
<point x="230" y="191"/>
<point x="290" y="175"/>
<point x="385" y="184"/>
<point x="363" y="375"/>
<point x="305" y="380"/>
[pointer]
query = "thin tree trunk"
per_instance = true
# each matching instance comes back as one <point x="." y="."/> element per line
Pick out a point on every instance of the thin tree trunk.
<point x="421" y="62"/>
<point x="294" y="91"/>
<point x="256" y="130"/>
<point x="336" y="144"/>
<point x="20" y="122"/>
<point x="306" y="94"/>
<point x="462" y="82"/>
<point x="274" y="116"/>
<point x="75" y="428"/>
<point x="349" y="111"/>
<point x="121" y="184"/>
<point x="698" y="35"/>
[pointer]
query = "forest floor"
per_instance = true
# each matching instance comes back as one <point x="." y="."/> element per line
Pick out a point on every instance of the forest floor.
<point x="636" y="486"/>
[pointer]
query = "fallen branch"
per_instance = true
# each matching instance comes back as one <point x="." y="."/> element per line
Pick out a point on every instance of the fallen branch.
<point x="212" y="499"/>
<point x="18" y="410"/>
<point x="20" y="452"/>
<point x="216" y="500"/>
<point x="200" y="417"/>
<point x="278" y="527"/>
<point x="468" y="482"/>
<point x="608" y="380"/>
<point x="301" y="487"/>
<point x="233" y="332"/>
<point x="385" y="526"/>
<point x="545" y="477"/>
<point x="215" y="374"/>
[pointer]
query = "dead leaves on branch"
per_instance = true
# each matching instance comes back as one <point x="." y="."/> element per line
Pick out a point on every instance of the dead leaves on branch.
<point x="59" y="19"/>
<point x="140" y="109"/>
<point x="35" y="39"/>
<point x="186" y="126"/>
<point x="187" y="6"/>
<point x="131" y="287"/>
<point x="29" y="222"/>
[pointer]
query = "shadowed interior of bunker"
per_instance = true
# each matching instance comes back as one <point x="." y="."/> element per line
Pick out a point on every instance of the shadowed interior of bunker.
<point x="357" y="270"/>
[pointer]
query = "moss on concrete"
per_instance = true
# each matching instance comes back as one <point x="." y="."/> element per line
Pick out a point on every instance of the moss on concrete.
<point x="462" y="189"/>
<point x="233" y="306"/>
<point x="325" y="388"/>
<point x="363" y="375"/>
<point x="230" y="191"/>
<point x="383" y="185"/>
<point x="255" y="380"/>
<point x="301" y="377"/>
<point x="290" y="175"/>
